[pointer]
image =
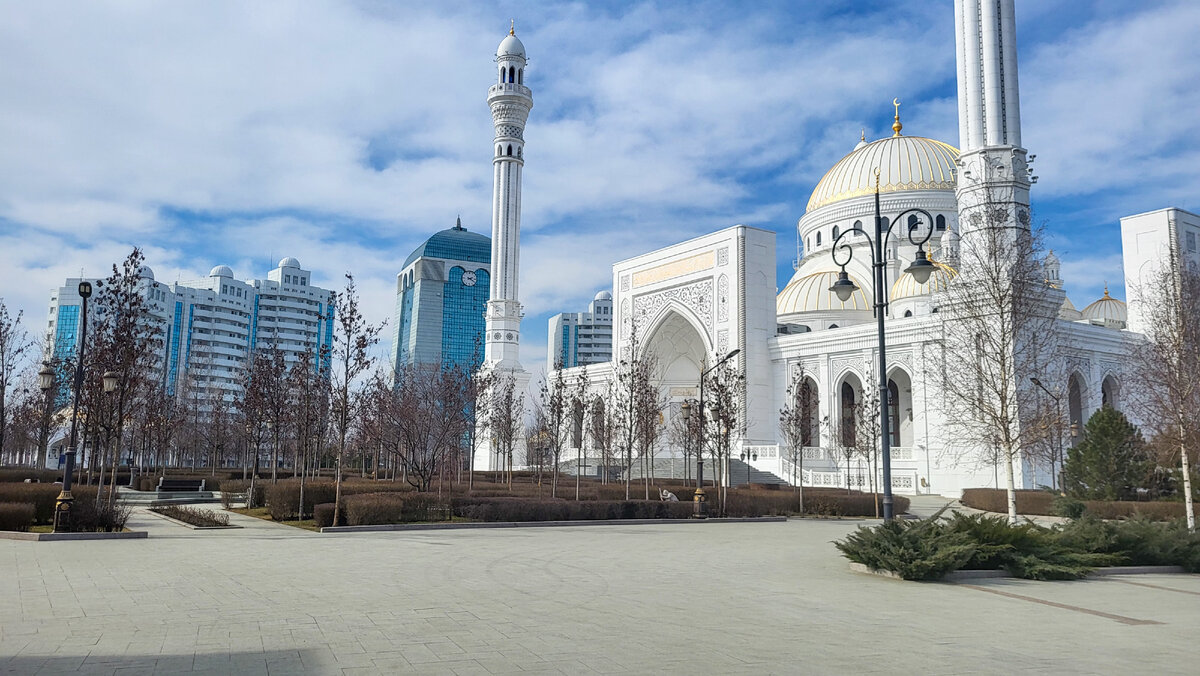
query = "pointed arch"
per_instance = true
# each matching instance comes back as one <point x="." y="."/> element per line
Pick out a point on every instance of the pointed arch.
<point x="1110" y="392"/>
<point x="512" y="74"/>
<point x="664" y="313"/>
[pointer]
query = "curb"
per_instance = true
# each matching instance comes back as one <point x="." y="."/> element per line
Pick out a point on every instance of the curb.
<point x="188" y="525"/>
<point x="60" y="537"/>
<point x="965" y="575"/>
<point x="539" y="524"/>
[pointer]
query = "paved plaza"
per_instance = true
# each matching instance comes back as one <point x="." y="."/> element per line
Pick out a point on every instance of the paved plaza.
<point x="707" y="598"/>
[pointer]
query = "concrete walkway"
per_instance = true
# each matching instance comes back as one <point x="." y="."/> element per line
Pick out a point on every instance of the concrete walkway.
<point x="748" y="598"/>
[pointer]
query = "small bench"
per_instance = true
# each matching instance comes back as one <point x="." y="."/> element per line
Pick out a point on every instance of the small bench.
<point x="166" y="485"/>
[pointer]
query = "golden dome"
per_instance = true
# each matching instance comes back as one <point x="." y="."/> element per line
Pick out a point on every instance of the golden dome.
<point x="1107" y="309"/>
<point x="906" y="286"/>
<point x="904" y="163"/>
<point x="811" y="294"/>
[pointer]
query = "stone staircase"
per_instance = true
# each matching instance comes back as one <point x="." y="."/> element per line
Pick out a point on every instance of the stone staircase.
<point x="737" y="475"/>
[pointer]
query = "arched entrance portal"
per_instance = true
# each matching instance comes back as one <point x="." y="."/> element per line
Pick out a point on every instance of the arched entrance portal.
<point x="678" y="349"/>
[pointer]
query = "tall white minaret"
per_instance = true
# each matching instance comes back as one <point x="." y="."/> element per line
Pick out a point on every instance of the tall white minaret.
<point x="993" y="167"/>
<point x="510" y="101"/>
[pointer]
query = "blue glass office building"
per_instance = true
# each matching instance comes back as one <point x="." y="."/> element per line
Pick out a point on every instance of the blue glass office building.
<point x="441" y="296"/>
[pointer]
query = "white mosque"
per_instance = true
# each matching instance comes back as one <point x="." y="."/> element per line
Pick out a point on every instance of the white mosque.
<point x="696" y="301"/>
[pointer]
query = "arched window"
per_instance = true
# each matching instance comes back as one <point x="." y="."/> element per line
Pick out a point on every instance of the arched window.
<point x="502" y="75"/>
<point x="510" y="150"/>
<point x="913" y="221"/>
<point x="808" y="244"/>
<point x="521" y="76"/>
<point x="908" y="313"/>
<point x="941" y="222"/>
<point x="893" y="413"/>
<point x="848" y="426"/>
<point x="809" y="404"/>
<point x="1110" y="392"/>
<point x="512" y="74"/>
<point x="1075" y="403"/>
<point x="499" y="151"/>
<point x="833" y="326"/>
<point x="519" y="152"/>
<point x="885" y="223"/>
<point x="818" y="238"/>
<point x="858" y="227"/>
<point x="835" y="232"/>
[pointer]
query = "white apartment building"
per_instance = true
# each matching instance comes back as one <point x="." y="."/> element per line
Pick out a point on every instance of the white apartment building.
<point x="581" y="338"/>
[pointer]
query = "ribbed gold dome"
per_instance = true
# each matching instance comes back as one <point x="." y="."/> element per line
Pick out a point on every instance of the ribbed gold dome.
<point x="811" y="294"/>
<point x="906" y="285"/>
<point x="1107" y="309"/>
<point x="904" y="163"/>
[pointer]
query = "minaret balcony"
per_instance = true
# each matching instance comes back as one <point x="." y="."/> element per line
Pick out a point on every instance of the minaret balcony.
<point x="509" y="88"/>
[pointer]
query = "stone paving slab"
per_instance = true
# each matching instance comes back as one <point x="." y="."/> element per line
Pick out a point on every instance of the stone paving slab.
<point x="738" y="598"/>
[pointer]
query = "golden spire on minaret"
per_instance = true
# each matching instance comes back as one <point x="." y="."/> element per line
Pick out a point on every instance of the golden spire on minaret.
<point x="896" y="126"/>
<point x="512" y="26"/>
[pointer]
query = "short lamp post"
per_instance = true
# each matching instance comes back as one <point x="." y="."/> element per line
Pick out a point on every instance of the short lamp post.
<point x="45" y="384"/>
<point x="62" y="506"/>
<point x="700" y="501"/>
<point x="747" y="456"/>
<point x="1058" y="420"/>
<point x="844" y="287"/>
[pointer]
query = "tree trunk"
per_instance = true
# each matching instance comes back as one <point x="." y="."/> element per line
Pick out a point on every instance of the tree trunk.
<point x="1010" y="480"/>
<point x="1187" y="481"/>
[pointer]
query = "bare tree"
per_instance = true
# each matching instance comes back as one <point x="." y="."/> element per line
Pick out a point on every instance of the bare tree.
<point x="1167" y="368"/>
<point x="431" y="419"/>
<point x="798" y="424"/>
<point x="126" y="340"/>
<point x="601" y="429"/>
<point x="999" y="327"/>
<point x="14" y="346"/>
<point x="506" y="409"/>
<point x="578" y="408"/>
<point x="724" y="394"/>
<point x="352" y="352"/>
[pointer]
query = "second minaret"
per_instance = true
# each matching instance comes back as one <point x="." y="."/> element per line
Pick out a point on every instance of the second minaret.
<point x="510" y="101"/>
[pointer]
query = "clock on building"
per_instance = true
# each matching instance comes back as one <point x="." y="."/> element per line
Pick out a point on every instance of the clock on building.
<point x="468" y="278"/>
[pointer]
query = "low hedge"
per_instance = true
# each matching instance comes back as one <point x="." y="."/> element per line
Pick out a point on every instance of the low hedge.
<point x="1046" y="503"/>
<point x="283" y="498"/>
<point x="41" y="496"/>
<point x="21" y="474"/>
<point x="18" y="516"/>
<point x="193" y="515"/>
<point x="820" y="502"/>
<point x="323" y="515"/>
<point x="559" y="509"/>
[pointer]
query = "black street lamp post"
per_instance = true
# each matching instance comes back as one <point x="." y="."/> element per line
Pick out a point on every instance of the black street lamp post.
<point x="747" y="456"/>
<point x="844" y="287"/>
<point x="62" y="505"/>
<point x="700" y="501"/>
<point x="1058" y="419"/>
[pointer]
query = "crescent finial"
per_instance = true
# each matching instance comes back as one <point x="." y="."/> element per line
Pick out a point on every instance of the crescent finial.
<point x="896" y="126"/>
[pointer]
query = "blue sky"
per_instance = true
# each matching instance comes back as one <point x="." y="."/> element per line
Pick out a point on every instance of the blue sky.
<point x="345" y="133"/>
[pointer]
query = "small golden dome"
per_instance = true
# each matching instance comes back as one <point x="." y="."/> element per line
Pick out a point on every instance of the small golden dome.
<point x="1107" y="309"/>
<point x="811" y="293"/>
<point x="906" y="285"/>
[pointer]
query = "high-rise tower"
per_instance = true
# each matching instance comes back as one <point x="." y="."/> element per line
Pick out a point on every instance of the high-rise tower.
<point x="993" y="182"/>
<point x="510" y="101"/>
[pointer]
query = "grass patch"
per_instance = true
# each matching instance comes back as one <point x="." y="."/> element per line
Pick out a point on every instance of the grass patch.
<point x="265" y="514"/>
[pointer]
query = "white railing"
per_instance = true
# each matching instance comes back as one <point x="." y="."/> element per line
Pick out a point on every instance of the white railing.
<point x="902" y="453"/>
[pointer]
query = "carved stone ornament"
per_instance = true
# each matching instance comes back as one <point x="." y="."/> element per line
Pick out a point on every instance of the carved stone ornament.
<point x="723" y="256"/>
<point x="723" y="298"/>
<point x="696" y="297"/>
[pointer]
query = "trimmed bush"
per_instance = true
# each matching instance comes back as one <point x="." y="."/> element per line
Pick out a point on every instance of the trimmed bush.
<point x="996" y="500"/>
<point x="20" y="474"/>
<point x="323" y="515"/>
<point x="233" y="490"/>
<point x="18" y="516"/>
